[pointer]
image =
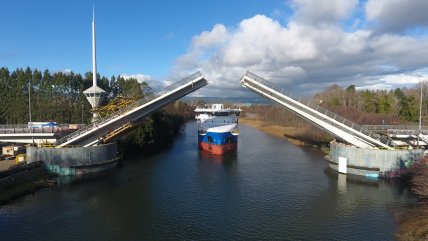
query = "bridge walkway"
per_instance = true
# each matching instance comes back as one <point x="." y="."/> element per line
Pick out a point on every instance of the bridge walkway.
<point x="25" y="134"/>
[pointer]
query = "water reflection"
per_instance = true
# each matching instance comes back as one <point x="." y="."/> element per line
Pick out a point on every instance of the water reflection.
<point x="341" y="183"/>
<point x="359" y="190"/>
<point x="85" y="178"/>
<point x="220" y="159"/>
<point x="267" y="190"/>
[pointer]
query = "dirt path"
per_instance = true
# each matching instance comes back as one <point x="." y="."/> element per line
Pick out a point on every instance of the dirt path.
<point x="4" y="165"/>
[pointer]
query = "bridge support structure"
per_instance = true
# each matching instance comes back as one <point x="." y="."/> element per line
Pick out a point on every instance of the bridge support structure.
<point x="75" y="160"/>
<point x="328" y="121"/>
<point x="104" y="129"/>
<point x="362" y="153"/>
<point x="92" y="148"/>
<point x="372" y="163"/>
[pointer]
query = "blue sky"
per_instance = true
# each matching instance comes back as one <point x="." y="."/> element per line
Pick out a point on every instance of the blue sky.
<point x="132" y="36"/>
<point x="301" y="45"/>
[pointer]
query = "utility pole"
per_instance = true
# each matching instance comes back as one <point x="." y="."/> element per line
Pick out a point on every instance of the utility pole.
<point x="420" y="115"/>
<point x="29" y="109"/>
<point x="82" y="114"/>
<point x="420" y="111"/>
<point x="29" y="100"/>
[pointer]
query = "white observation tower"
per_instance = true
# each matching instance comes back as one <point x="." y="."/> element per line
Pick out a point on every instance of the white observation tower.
<point x="94" y="94"/>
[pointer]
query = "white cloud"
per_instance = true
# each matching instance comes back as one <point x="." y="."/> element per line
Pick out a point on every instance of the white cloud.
<point x="218" y="35"/>
<point x="154" y="84"/>
<point x="323" y="11"/>
<point x="64" y="71"/>
<point x="392" y="81"/>
<point x="139" y="77"/>
<point x="397" y="15"/>
<point x="303" y="55"/>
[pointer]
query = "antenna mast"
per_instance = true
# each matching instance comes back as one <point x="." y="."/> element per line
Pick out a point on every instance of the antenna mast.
<point x="94" y="51"/>
<point x="94" y="94"/>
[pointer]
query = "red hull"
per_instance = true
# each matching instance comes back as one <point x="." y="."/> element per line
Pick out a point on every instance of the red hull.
<point x="218" y="149"/>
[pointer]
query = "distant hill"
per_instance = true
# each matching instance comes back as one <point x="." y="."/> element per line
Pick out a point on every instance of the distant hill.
<point x="230" y="100"/>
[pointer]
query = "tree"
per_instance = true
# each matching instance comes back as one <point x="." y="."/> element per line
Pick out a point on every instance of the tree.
<point x="130" y="88"/>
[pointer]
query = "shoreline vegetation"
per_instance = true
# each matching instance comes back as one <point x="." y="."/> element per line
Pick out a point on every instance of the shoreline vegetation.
<point x="158" y="130"/>
<point x="291" y="134"/>
<point x="413" y="223"/>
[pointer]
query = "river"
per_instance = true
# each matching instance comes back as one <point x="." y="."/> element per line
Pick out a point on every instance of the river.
<point x="269" y="189"/>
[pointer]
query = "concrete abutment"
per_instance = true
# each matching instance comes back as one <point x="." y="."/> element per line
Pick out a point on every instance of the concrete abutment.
<point x="372" y="162"/>
<point x="76" y="160"/>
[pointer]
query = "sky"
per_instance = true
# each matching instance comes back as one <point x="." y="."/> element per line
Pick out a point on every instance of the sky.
<point x="304" y="46"/>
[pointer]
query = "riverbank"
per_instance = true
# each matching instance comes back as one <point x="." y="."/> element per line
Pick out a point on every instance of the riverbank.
<point x="413" y="223"/>
<point x="292" y="134"/>
<point x="23" y="179"/>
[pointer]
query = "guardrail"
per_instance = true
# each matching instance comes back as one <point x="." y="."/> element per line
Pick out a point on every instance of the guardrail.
<point x="324" y="111"/>
<point x="129" y="107"/>
<point x="399" y="129"/>
<point x="23" y="128"/>
<point x="395" y="127"/>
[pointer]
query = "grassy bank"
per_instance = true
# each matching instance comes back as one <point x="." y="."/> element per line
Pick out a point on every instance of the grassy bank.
<point x="295" y="135"/>
<point x="37" y="180"/>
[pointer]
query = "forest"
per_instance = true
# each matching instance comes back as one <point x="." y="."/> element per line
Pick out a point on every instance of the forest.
<point x="56" y="97"/>
<point x="59" y="97"/>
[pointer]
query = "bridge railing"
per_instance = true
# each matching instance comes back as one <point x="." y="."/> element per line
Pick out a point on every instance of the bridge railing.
<point x="24" y="128"/>
<point x="129" y="107"/>
<point x="323" y="111"/>
<point x="399" y="129"/>
<point x="394" y="127"/>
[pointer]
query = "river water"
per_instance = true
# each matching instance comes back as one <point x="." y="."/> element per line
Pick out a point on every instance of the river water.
<point x="269" y="189"/>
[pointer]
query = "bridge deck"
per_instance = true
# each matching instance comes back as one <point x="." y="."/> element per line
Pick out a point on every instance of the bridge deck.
<point x="22" y="133"/>
<point x="106" y="127"/>
<point x="330" y="122"/>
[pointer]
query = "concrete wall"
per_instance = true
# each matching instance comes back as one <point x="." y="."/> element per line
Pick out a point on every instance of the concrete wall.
<point x="369" y="162"/>
<point x="76" y="160"/>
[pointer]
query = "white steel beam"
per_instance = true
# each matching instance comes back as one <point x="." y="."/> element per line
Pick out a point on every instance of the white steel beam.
<point x="316" y="118"/>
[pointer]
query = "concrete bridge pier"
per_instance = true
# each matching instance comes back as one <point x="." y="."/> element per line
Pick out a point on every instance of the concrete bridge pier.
<point x="75" y="160"/>
<point x="371" y="162"/>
